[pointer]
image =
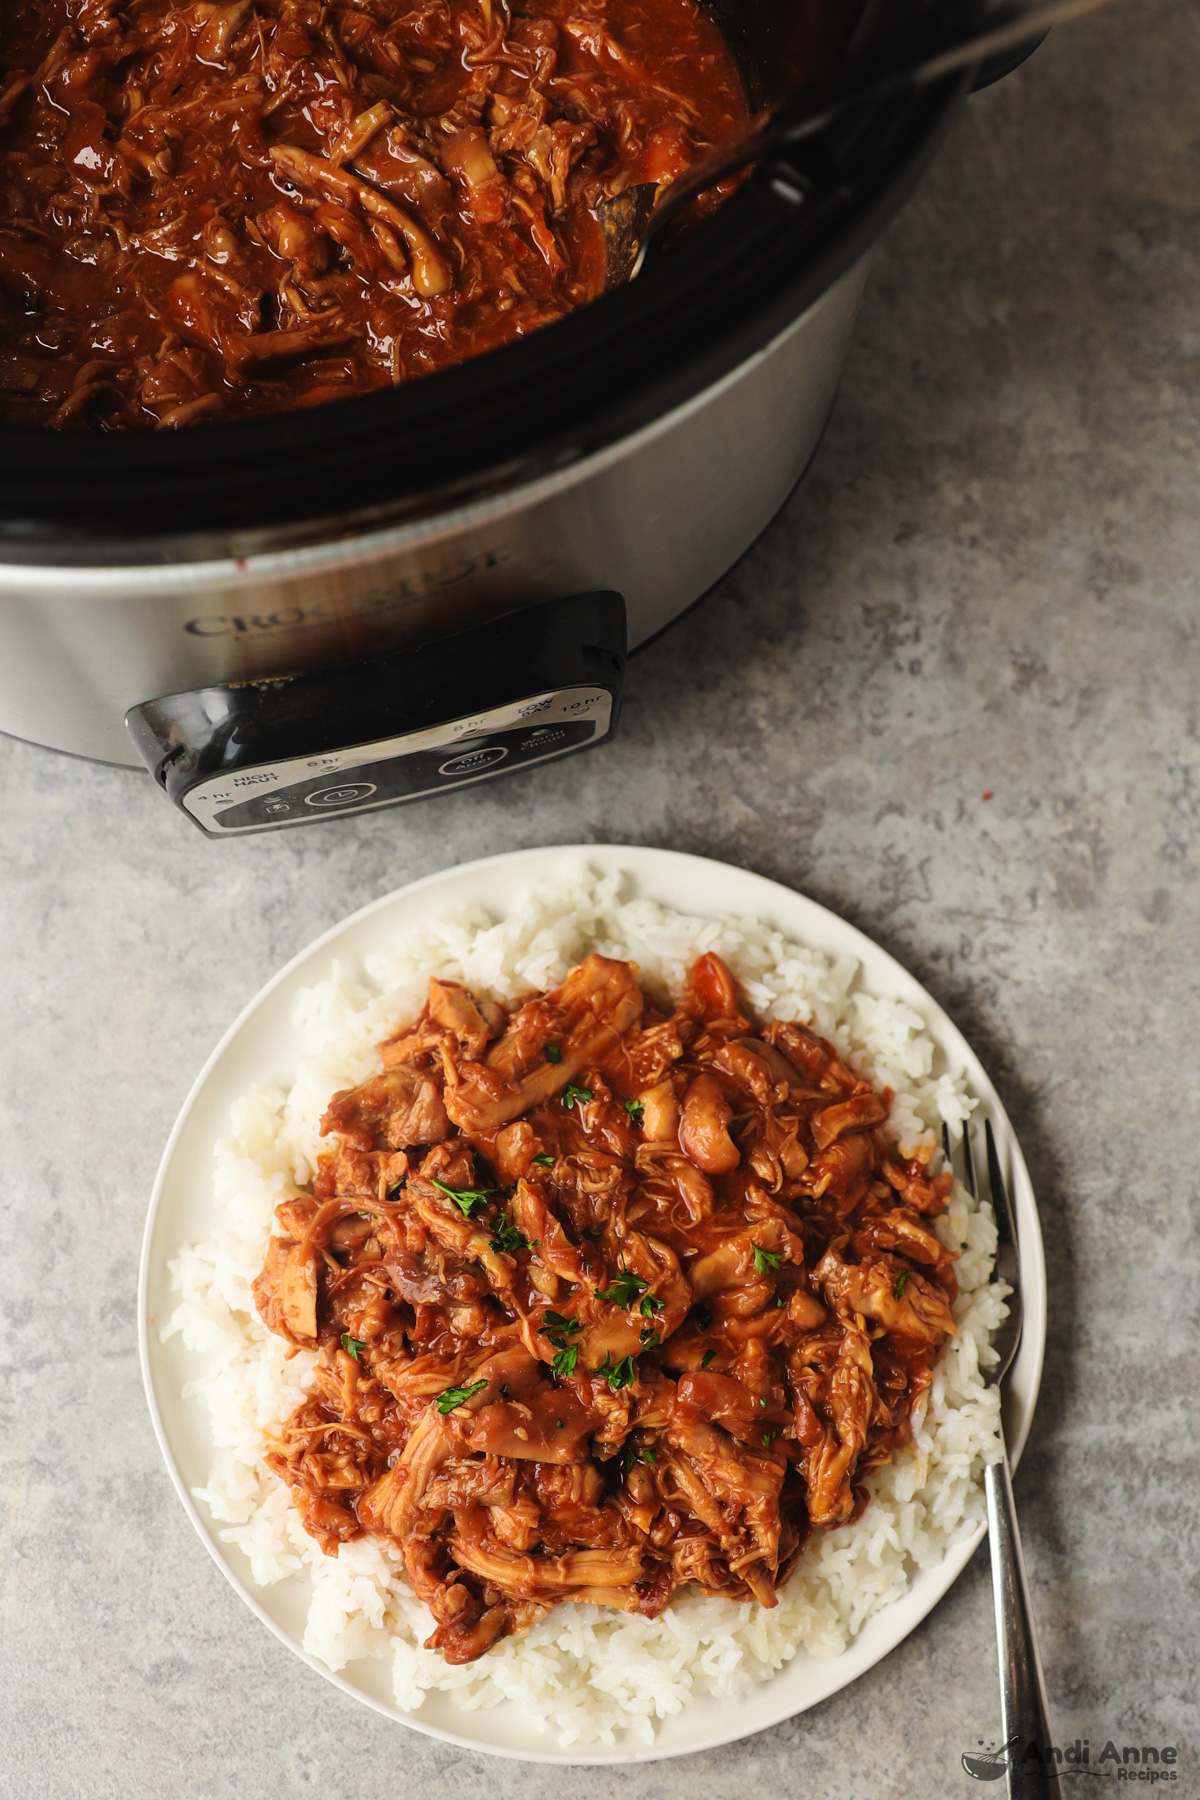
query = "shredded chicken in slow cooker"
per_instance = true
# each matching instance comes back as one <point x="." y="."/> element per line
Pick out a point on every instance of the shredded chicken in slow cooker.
<point x="210" y="210"/>
<point x="607" y="1300"/>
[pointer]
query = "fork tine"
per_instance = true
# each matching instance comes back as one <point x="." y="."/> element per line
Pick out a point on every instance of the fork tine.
<point x="1006" y="1228"/>
<point x="969" y="1165"/>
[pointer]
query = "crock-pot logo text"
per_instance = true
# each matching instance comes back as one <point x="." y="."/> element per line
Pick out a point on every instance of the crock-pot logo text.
<point x="296" y="618"/>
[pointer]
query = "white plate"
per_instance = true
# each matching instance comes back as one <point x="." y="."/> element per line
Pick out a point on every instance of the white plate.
<point x="260" y="1046"/>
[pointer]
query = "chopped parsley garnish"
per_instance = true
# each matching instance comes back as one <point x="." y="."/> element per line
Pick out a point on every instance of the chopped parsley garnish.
<point x="766" y="1259"/>
<point x="352" y="1345"/>
<point x="901" y="1283"/>
<point x="618" y="1375"/>
<point x="707" y="1358"/>
<point x="625" y="1289"/>
<point x="466" y="1199"/>
<point x="565" y="1360"/>
<point x="650" y="1305"/>
<point x="573" y="1096"/>
<point x="768" y="1438"/>
<point x="507" y="1238"/>
<point x="456" y="1396"/>
<point x="560" y="1322"/>
<point x="553" y="1053"/>
<point x="545" y="1159"/>
<point x="559" y="1330"/>
<point x="762" y="1399"/>
<point x="651" y="1339"/>
<point x="631" y="1455"/>
<point x="703" y="1315"/>
<point x="636" y="1111"/>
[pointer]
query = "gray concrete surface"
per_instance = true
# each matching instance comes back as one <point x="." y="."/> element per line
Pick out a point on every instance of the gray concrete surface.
<point x="989" y="586"/>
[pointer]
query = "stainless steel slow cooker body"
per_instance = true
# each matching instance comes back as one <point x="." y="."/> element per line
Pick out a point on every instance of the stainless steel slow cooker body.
<point x="656" y="517"/>
<point x="633" y="450"/>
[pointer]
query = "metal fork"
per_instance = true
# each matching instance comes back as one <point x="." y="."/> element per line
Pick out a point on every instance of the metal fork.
<point x="1025" y="1715"/>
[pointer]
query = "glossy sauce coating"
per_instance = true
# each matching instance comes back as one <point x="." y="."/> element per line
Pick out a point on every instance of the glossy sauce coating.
<point x="605" y="1299"/>
<point x="210" y="211"/>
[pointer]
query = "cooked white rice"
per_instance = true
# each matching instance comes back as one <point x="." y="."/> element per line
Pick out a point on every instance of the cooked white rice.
<point x="583" y="1674"/>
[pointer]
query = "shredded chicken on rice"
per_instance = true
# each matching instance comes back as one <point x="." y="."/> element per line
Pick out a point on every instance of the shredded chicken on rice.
<point x="212" y="210"/>
<point x="607" y="1300"/>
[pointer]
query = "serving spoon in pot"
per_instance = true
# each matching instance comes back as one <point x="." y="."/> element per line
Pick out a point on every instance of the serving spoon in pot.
<point x="923" y="40"/>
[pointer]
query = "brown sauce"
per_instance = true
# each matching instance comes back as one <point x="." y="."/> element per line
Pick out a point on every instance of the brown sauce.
<point x="212" y="211"/>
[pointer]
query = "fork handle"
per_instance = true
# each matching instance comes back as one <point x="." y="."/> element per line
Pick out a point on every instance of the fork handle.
<point x="1025" y="1715"/>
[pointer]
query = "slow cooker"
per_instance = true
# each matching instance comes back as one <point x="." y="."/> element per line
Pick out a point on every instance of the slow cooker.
<point x="302" y="616"/>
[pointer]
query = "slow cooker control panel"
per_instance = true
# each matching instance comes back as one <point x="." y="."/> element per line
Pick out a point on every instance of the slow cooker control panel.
<point x="520" y="690"/>
<point x="402" y="768"/>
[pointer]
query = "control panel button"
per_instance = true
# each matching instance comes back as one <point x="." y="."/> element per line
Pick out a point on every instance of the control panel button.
<point x="350" y="793"/>
<point x="473" y="762"/>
